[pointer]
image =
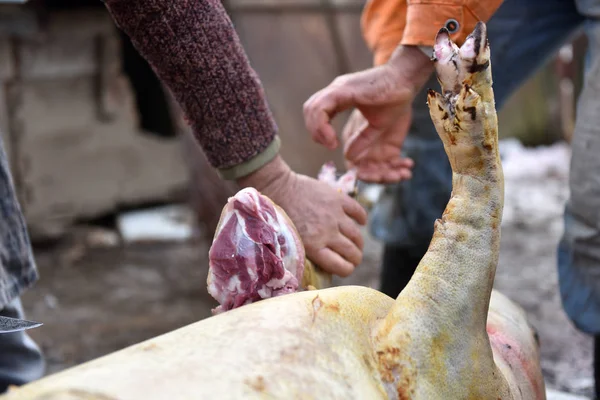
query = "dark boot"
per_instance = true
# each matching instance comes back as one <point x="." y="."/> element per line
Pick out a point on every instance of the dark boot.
<point x="21" y="360"/>
<point x="398" y="266"/>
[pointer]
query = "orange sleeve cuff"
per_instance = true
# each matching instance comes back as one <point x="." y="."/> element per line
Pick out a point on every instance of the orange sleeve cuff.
<point x="424" y="20"/>
<point x="382" y="24"/>
<point x="388" y="23"/>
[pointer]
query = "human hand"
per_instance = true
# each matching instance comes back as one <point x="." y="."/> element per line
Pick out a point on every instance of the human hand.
<point x="325" y="218"/>
<point x="356" y="122"/>
<point x="383" y="95"/>
<point x="373" y="167"/>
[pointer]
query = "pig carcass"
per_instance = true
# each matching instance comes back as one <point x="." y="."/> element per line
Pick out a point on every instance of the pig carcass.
<point x="448" y="335"/>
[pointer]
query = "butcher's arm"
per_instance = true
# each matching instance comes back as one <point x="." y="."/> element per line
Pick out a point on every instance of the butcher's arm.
<point x="194" y="49"/>
<point x="388" y="23"/>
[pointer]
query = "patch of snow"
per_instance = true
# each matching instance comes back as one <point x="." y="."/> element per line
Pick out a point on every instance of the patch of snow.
<point x="535" y="182"/>
<point x="556" y="395"/>
<point x="167" y="223"/>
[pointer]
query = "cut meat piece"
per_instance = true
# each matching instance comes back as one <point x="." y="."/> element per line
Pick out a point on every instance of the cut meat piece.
<point x="257" y="252"/>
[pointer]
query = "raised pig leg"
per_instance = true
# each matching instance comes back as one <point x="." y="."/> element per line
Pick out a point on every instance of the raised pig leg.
<point x="433" y="344"/>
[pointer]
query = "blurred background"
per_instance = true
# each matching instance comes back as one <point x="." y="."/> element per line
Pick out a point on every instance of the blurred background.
<point x="121" y="203"/>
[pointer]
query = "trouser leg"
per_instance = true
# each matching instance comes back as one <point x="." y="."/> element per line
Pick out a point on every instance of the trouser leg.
<point x="579" y="247"/>
<point x="398" y="266"/>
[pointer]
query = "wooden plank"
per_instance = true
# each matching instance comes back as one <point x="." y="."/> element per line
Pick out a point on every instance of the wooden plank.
<point x="67" y="47"/>
<point x="75" y="167"/>
<point x="53" y="58"/>
<point x="356" y="50"/>
<point x="109" y="68"/>
<point x="88" y="22"/>
<point x="294" y="57"/>
<point x="7" y="61"/>
<point x="78" y="151"/>
<point x="18" y="20"/>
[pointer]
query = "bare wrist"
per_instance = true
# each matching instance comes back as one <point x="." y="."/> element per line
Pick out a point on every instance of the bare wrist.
<point x="412" y="64"/>
<point x="273" y="174"/>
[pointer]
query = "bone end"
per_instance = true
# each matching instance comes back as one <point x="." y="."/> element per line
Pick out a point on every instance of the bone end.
<point x="475" y="49"/>
<point x="442" y="32"/>
<point x="444" y="49"/>
<point x="480" y="30"/>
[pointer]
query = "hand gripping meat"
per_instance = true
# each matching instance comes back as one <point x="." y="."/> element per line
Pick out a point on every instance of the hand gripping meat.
<point x="447" y="336"/>
<point x="257" y="252"/>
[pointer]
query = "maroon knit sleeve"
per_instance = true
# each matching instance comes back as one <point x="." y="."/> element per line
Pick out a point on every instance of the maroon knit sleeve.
<point x="194" y="49"/>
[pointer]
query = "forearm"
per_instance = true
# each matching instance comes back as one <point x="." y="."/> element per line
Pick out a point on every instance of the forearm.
<point x="194" y="49"/>
<point x="413" y="65"/>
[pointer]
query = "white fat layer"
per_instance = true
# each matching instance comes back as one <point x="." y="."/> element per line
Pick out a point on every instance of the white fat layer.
<point x="264" y="292"/>
<point x="280" y="227"/>
<point x="252" y="274"/>
<point x="279" y="283"/>
<point x="234" y="284"/>
<point x="215" y="292"/>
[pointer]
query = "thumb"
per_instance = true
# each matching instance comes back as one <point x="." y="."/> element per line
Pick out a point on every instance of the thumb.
<point x="359" y="142"/>
<point x="356" y="122"/>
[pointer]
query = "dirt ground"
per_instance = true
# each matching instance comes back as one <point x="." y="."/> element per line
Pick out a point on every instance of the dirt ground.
<point x="95" y="300"/>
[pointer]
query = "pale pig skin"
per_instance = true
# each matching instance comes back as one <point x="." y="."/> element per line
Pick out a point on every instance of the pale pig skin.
<point x="447" y="336"/>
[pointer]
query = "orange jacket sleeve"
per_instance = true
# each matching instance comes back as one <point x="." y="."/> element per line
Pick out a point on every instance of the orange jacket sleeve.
<point x="388" y="23"/>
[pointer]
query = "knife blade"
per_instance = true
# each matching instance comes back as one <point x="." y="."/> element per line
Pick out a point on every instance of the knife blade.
<point x="8" y="324"/>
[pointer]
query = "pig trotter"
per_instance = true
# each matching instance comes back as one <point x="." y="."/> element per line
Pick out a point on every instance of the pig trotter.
<point x="450" y="291"/>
